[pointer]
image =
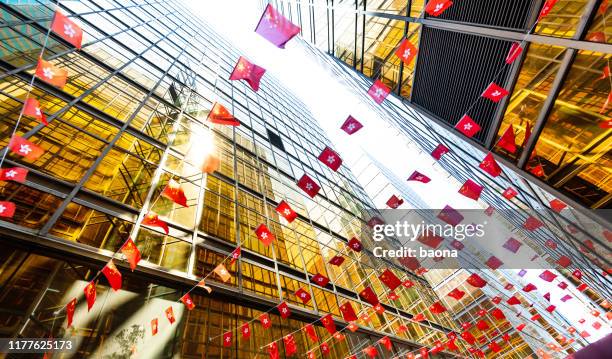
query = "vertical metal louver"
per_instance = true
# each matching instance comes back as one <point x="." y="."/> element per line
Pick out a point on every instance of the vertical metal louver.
<point x="511" y="14"/>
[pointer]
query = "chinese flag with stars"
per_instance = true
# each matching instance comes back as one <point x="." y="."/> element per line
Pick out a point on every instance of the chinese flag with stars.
<point x="151" y="219"/>
<point x="16" y="174"/>
<point x="186" y="299"/>
<point x="490" y="166"/>
<point x="418" y="176"/>
<point x="131" y="253"/>
<point x="303" y="295"/>
<point x="509" y="193"/>
<point x="437" y="7"/>
<point x="336" y="260"/>
<point x="476" y="281"/>
<point x="494" y="92"/>
<point x="394" y="202"/>
<point x="467" y="126"/>
<point x="31" y="107"/>
<point x="514" y="52"/>
<point x="289" y="341"/>
<point x="25" y="148"/>
<point x="508" y="140"/>
<point x="437" y="308"/>
<point x="245" y="330"/>
<point x="369" y="296"/>
<point x="175" y="193"/>
<point x="90" y="294"/>
<point x="390" y="279"/>
<point x="310" y="331"/>
<point x="220" y="115"/>
<point x="456" y="293"/>
<point x="379" y="91"/>
<point x="328" y="323"/>
<point x="70" y="307"/>
<point x="67" y="29"/>
<point x="276" y="28"/>
<point x="227" y="339"/>
<point x="264" y="235"/>
<point x="170" y="315"/>
<point x="222" y="272"/>
<point x="330" y="158"/>
<point x="348" y="313"/>
<point x="248" y="72"/>
<point x="286" y="211"/>
<point x="320" y="279"/>
<point x="450" y="215"/>
<point x="154" y="326"/>
<point x="112" y="274"/>
<point x="471" y="189"/>
<point x="265" y="321"/>
<point x="50" y="74"/>
<point x="355" y="244"/>
<point x="284" y="310"/>
<point x="308" y="185"/>
<point x="351" y="125"/>
<point x="439" y="151"/>
<point x="406" y="51"/>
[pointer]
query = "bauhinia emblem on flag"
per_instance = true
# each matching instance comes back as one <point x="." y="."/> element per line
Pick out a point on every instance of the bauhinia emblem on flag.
<point x="276" y="28"/>
<point x="16" y="174"/>
<point x="90" y="294"/>
<point x="235" y="255"/>
<point x="131" y="253"/>
<point x="25" y="148"/>
<point x="265" y="321"/>
<point x="7" y="209"/>
<point x="227" y="339"/>
<point x="31" y="107"/>
<point x="264" y="235"/>
<point x="154" y="326"/>
<point x="151" y="219"/>
<point x="467" y="126"/>
<point x="418" y="176"/>
<point x="330" y="158"/>
<point x="186" y="299"/>
<point x="284" y="310"/>
<point x="112" y="274"/>
<point x="351" y="125"/>
<point x="50" y="74"/>
<point x="222" y="272"/>
<point x="248" y="72"/>
<point x="355" y="244"/>
<point x="394" y="202"/>
<point x="303" y="295"/>
<point x="67" y="29"/>
<point x="286" y="211"/>
<point x="308" y="185"/>
<point x="494" y="92"/>
<point x="490" y="166"/>
<point x="220" y="115"/>
<point x="379" y="91"/>
<point x="437" y="7"/>
<point x="175" y="193"/>
<point x="320" y="279"/>
<point x="509" y="193"/>
<point x="170" y="315"/>
<point x="471" y="189"/>
<point x="406" y="51"/>
<point x="336" y="260"/>
<point x="245" y="330"/>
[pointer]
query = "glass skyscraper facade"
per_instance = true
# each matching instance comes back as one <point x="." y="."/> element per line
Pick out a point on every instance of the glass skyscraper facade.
<point x="131" y="118"/>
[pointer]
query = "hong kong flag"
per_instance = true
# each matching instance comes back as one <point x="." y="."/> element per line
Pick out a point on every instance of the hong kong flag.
<point x="352" y="327"/>
<point x="324" y="348"/>
<point x="494" y="92"/>
<point x="175" y="193"/>
<point x="512" y="245"/>
<point x="235" y="255"/>
<point x="471" y="189"/>
<point x="439" y="151"/>
<point x="509" y="193"/>
<point x="490" y="166"/>
<point x="248" y="72"/>
<point x="548" y="5"/>
<point x="450" y="215"/>
<point x="276" y="28"/>
<point x="513" y="301"/>
<point x="390" y="279"/>
<point x="456" y="293"/>
<point x="303" y="295"/>
<point x="51" y="74"/>
<point x="379" y="91"/>
<point x="529" y="287"/>
<point x="310" y="331"/>
<point x="308" y="185"/>
<point x="532" y="223"/>
<point x="548" y="276"/>
<point x="25" y="148"/>
<point x="90" y="294"/>
<point x="386" y="342"/>
<point x="328" y="323"/>
<point x="16" y="174"/>
<point x="497" y="313"/>
<point x="131" y="253"/>
<point x="437" y="308"/>
<point x="186" y="299"/>
<point x="418" y="176"/>
<point x="493" y="262"/>
<point x="371" y="351"/>
<point x="369" y="296"/>
<point x="336" y="260"/>
<point x="286" y="211"/>
<point x="467" y="126"/>
<point x="557" y="205"/>
<point x="394" y="202"/>
<point x="70" y="307"/>
<point x="264" y="235"/>
<point x="290" y="345"/>
<point x="245" y="330"/>
<point x="508" y="140"/>
<point x="320" y="279"/>
<point x="31" y="107"/>
<point x="67" y="29"/>
<point x="154" y="326"/>
<point x="265" y="321"/>
<point x="330" y="158"/>
<point x="437" y="7"/>
<point x="513" y="54"/>
<point x="476" y="281"/>
<point x="152" y="220"/>
<point x="406" y="51"/>
<point x="355" y="244"/>
<point x="284" y="310"/>
<point x="564" y="261"/>
<point x="220" y="115"/>
<point x="227" y="339"/>
<point x="468" y="337"/>
<point x="378" y="308"/>
<point x="112" y="274"/>
<point x="351" y="125"/>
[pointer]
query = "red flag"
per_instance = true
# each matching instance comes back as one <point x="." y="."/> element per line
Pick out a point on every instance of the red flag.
<point x="25" y="148"/>
<point x="468" y="337"/>
<point x="550" y="244"/>
<point x="308" y="185"/>
<point x="532" y="223"/>
<point x="494" y="92"/>
<point x="508" y="140"/>
<point x="284" y="310"/>
<point x="112" y="274"/>
<point x="482" y="312"/>
<point x="352" y="327"/>
<point x="386" y="342"/>
<point x="520" y="327"/>
<point x="50" y="74"/>
<point x="509" y="193"/>
<point x="439" y="151"/>
<point x="547" y="296"/>
<point x="494" y="347"/>
<point x="336" y="260"/>
<point x="355" y="244"/>
<point x="564" y="261"/>
<point x="498" y="314"/>
<point x="537" y="170"/>
<point x="351" y="125"/>
<point x="394" y="202"/>
<point x="512" y="245"/>
<point x="67" y="29"/>
<point x="467" y="126"/>
<point x="577" y="273"/>
<point x="450" y="215"/>
<point x="408" y="283"/>
<point x="264" y="235"/>
<point x="406" y="51"/>
<point x="154" y="326"/>
<point x="324" y="348"/>
<point x="303" y="295"/>
<point x="513" y="301"/>
<point x="437" y="308"/>
<point x="328" y="323"/>
<point x="482" y="325"/>
<point x="276" y="28"/>
<point x="378" y="308"/>
<point x="369" y="296"/>
<point x="390" y="279"/>
<point x="320" y="279"/>
<point x="548" y="5"/>
<point x="557" y="205"/>
<point x="330" y="158"/>
<point x="418" y="317"/>
<point x="131" y="253"/>
<point x="371" y="351"/>
<point x="409" y="262"/>
<point x="548" y="276"/>
<point x="437" y="7"/>
<point x="152" y="220"/>
<point x="456" y="293"/>
<point x="379" y="91"/>
<point x="311" y="355"/>
<point x="249" y="72"/>
<point x="227" y="339"/>
<point x="424" y="353"/>
<point x="476" y="281"/>
<point x="31" y="107"/>
<point x="211" y="163"/>
<point x="16" y="174"/>
<point x="222" y="272"/>
<point x="471" y="189"/>
<point x="186" y="299"/>
<point x="348" y="313"/>
<point x="550" y="308"/>
<point x="513" y="54"/>
<point x="418" y="176"/>
<point x="527" y="135"/>
<point x="70" y="307"/>
<point x="529" y="287"/>
<point x="490" y="166"/>
<point x="430" y="239"/>
<point x="289" y="341"/>
<point x="90" y="294"/>
<point x="457" y="245"/>
<point x="393" y="296"/>
<point x="286" y="211"/>
<point x="265" y="321"/>
<point x="220" y="115"/>
<point x="310" y="331"/>
<point x="605" y="124"/>
<point x="170" y="315"/>
<point x="235" y="255"/>
<point x="245" y="330"/>
<point x="273" y="351"/>
<point x="175" y="193"/>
